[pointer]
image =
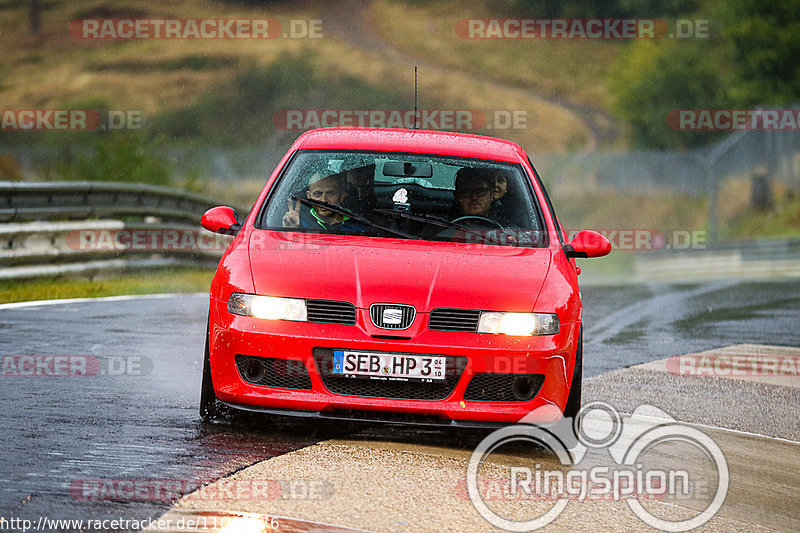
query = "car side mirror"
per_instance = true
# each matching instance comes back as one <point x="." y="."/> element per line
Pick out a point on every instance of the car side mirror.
<point x="221" y="220"/>
<point x="588" y="244"/>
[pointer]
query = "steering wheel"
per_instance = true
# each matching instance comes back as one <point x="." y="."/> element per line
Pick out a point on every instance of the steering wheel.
<point x="482" y="219"/>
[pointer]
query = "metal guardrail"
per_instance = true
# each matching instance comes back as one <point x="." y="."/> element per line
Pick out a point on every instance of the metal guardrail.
<point x="121" y="226"/>
<point x="771" y="257"/>
<point x="81" y="200"/>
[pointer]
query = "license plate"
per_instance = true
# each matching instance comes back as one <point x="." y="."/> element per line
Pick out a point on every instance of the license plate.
<point x="389" y="366"/>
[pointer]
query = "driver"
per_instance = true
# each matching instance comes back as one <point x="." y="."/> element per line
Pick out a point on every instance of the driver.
<point x="473" y="194"/>
<point x="323" y="188"/>
<point x="474" y="202"/>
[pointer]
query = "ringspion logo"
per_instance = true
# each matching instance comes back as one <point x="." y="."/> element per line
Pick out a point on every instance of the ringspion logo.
<point x="628" y="477"/>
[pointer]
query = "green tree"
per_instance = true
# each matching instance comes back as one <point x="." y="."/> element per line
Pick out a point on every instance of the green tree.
<point x="750" y="60"/>
<point x="656" y="77"/>
<point x="765" y="37"/>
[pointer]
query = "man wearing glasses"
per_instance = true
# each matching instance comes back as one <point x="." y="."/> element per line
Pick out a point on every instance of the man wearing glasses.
<point x="473" y="193"/>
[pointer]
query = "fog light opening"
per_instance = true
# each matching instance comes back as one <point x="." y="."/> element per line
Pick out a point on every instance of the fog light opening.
<point x="523" y="388"/>
<point x="254" y="371"/>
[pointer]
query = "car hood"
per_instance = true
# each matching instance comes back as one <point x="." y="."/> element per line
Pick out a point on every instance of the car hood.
<point x="427" y="275"/>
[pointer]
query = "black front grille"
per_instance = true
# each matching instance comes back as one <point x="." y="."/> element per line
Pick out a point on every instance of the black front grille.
<point x="499" y="387"/>
<point x="330" y="312"/>
<point x="404" y="315"/>
<point x="282" y="373"/>
<point x="454" y="319"/>
<point x="378" y="388"/>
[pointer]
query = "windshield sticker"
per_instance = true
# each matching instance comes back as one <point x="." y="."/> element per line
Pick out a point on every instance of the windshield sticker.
<point x="400" y="196"/>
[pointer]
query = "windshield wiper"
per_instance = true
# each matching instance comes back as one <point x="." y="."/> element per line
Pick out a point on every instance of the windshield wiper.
<point x="433" y="219"/>
<point x="358" y="218"/>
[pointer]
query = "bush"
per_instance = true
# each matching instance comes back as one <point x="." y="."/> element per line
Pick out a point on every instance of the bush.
<point x="118" y="156"/>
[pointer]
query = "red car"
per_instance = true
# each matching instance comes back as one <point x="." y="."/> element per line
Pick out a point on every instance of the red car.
<point x="397" y="275"/>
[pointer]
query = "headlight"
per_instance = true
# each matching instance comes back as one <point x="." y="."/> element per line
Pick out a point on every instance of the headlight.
<point x="521" y="324"/>
<point x="267" y="307"/>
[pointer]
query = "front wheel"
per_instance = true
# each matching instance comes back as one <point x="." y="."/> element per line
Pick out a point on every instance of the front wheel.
<point x="574" y="399"/>
<point x="210" y="406"/>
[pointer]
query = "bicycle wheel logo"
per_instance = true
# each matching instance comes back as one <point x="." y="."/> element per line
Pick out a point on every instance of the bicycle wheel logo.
<point x="600" y="426"/>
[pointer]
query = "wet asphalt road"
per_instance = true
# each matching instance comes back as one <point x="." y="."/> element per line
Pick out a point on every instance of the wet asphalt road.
<point x="68" y="441"/>
<point x="135" y="419"/>
<point x="629" y="325"/>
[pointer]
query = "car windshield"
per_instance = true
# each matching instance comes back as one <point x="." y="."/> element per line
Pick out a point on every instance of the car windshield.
<point x="427" y="197"/>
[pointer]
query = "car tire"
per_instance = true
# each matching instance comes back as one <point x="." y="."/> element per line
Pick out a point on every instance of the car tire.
<point x="573" y="405"/>
<point x="210" y="406"/>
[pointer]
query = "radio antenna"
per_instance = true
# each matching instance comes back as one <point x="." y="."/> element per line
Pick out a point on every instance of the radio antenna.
<point x="415" y="97"/>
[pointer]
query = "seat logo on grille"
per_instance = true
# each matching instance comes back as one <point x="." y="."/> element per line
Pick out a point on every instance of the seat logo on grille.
<point x="392" y="317"/>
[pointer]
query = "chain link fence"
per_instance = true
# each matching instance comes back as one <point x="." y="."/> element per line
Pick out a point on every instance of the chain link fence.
<point x="692" y="173"/>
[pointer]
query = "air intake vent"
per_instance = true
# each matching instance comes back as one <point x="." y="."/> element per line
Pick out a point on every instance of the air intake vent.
<point x="454" y="319"/>
<point x="271" y="372"/>
<point x="330" y="312"/>
<point x="503" y="387"/>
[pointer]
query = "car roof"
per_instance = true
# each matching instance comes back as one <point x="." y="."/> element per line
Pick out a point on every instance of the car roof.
<point x="414" y="141"/>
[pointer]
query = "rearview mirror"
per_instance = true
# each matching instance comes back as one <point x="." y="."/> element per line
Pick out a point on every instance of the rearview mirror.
<point x="221" y="220"/>
<point x="408" y="170"/>
<point x="588" y="244"/>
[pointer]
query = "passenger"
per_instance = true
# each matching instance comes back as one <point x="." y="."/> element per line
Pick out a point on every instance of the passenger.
<point x="502" y="207"/>
<point x="323" y="188"/>
<point x="500" y="187"/>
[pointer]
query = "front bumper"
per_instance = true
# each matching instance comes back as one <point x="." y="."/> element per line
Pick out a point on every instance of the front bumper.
<point x="551" y="357"/>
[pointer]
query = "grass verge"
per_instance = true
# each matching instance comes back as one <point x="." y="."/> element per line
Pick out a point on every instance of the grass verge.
<point x="574" y="70"/>
<point x="150" y="282"/>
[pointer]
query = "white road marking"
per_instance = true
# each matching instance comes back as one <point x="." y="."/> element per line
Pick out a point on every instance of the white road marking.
<point x="40" y="303"/>
<point x="719" y="428"/>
